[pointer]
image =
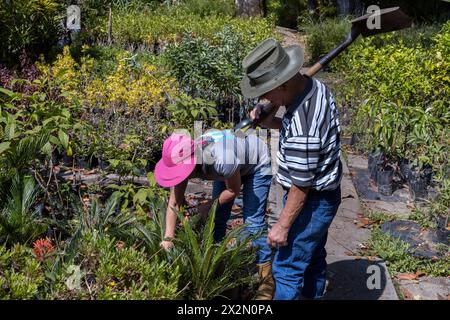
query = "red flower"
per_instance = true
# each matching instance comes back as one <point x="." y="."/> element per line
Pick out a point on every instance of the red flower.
<point x="43" y="248"/>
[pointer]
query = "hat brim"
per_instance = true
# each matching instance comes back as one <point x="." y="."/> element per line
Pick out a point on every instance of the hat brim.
<point x="171" y="176"/>
<point x="296" y="58"/>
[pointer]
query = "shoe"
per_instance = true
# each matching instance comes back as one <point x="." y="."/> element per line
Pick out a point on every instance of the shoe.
<point x="266" y="287"/>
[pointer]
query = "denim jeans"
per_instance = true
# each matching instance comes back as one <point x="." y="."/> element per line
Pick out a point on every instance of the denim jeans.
<point x="255" y="194"/>
<point x="300" y="268"/>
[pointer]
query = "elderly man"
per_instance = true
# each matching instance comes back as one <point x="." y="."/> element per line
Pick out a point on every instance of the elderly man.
<point x="309" y="166"/>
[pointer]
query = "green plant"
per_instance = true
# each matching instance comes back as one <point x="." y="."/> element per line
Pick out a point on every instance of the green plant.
<point x="286" y="12"/>
<point x="107" y="219"/>
<point x="20" y="274"/>
<point x="210" y="69"/>
<point x="397" y="96"/>
<point x="425" y="218"/>
<point x="379" y="217"/>
<point x="211" y="268"/>
<point x="19" y="217"/>
<point x="154" y="29"/>
<point x="120" y="99"/>
<point x="397" y="255"/>
<point x="138" y="198"/>
<point x="322" y="36"/>
<point x="204" y="8"/>
<point x="186" y="110"/>
<point x="28" y="25"/>
<point x="125" y="272"/>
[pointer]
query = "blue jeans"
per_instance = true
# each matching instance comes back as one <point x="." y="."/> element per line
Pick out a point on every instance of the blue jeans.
<point x="255" y="194"/>
<point x="300" y="267"/>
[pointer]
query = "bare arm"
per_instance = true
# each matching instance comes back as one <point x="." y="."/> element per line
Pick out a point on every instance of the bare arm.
<point x="176" y="200"/>
<point x="294" y="204"/>
<point x="232" y="189"/>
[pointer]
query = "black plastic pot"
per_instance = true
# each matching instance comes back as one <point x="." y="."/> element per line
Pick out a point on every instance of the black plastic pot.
<point x="418" y="182"/>
<point x="67" y="161"/>
<point x="385" y="176"/>
<point x="103" y="165"/>
<point x="356" y="137"/>
<point x="427" y="173"/>
<point x="404" y="169"/>
<point x="375" y="159"/>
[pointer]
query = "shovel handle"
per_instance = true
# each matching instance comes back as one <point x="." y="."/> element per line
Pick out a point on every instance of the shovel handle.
<point x="352" y="35"/>
<point x="314" y="69"/>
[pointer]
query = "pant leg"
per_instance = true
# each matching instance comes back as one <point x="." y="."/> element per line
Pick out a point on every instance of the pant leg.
<point x="316" y="273"/>
<point x="305" y="243"/>
<point x="223" y="212"/>
<point x="255" y="194"/>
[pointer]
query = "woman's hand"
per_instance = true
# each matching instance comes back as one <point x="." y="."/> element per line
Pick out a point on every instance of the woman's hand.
<point x="166" y="245"/>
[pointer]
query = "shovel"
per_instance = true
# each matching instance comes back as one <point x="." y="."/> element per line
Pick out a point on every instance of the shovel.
<point x="385" y="20"/>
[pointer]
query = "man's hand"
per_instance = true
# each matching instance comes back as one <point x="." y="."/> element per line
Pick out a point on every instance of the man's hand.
<point x="256" y="112"/>
<point x="277" y="236"/>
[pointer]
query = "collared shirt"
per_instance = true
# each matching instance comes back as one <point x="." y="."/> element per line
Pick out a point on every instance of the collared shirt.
<point x="309" y="147"/>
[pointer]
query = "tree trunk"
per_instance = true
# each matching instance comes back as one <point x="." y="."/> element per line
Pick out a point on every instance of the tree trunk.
<point x="247" y="8"/>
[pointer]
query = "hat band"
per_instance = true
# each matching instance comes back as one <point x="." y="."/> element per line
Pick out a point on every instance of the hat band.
<point x="272" y="74"/>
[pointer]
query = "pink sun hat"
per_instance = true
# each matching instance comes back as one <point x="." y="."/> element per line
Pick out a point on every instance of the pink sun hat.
<point x="177" y="162"/>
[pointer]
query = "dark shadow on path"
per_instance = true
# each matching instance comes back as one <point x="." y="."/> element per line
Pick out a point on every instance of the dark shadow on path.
<point x="348" y="280"/>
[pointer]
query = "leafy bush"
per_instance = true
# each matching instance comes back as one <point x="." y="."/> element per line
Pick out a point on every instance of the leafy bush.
<point x="117" y="271"/>
<point x="149" y="29"/>
<point x="286" y="12"/>
<point x="211" y="69"/>
<point x="186" y="110"/>
<point x="19" y="218"/>
<point x="400" y="97"/>
<point x="207" y="8"/>
<point x="28" y="25"/>
<point x="323" y="36"/>
<point x="210" y="268"/>
<point x="123" y="102"/>
<point x="20" y="274"/>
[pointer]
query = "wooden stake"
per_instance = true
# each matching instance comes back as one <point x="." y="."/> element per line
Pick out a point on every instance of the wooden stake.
<point x="110" y="24"/>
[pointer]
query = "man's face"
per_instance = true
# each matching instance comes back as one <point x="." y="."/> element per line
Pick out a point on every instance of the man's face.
<point x="275" y="96"/>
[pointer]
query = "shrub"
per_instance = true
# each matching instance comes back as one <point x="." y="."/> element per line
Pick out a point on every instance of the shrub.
<point x="207" y="8"/>
<point x="123" y="103"/>
<point x="403" y="92"/>
<point x="28" y="25"/>
<point x="116" y="271"/>
<point x="19" y="219"/>
<point x="286" y="11"/>
<point x="150" y="29"/>
<point x="323" y="36"/>
<point x="211" y="69"/>
<point x="210" y="268"/>
<point x="20" y="274"/>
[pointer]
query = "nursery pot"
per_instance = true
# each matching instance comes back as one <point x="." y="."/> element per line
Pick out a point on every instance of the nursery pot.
<point x="384" y="180"/>
<point x="375" y="159"/>
<point x="405" y="169"/>
<point x="418" y="183"/>
<point x="427" y="173"/>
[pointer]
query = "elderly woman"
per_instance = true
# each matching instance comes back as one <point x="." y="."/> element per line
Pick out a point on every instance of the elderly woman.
<point x="232" y="162"/>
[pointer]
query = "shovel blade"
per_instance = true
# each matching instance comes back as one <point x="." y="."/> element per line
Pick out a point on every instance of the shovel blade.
<point x="384" y="20"/>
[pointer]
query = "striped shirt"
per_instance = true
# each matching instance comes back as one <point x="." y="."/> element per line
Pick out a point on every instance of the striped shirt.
<point x="309" y="147"/>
